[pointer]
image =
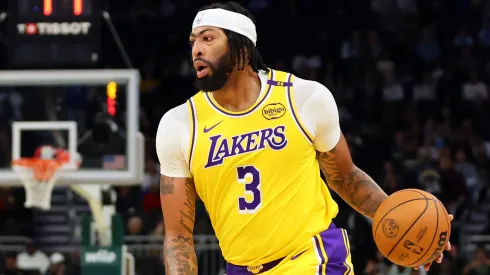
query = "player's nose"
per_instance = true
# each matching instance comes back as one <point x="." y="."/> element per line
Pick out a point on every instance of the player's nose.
<point x="197" y="49"/>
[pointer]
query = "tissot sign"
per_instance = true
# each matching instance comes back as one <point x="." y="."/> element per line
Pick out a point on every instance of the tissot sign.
<point x="55" y="28"/>
<point x="54" y="34"/>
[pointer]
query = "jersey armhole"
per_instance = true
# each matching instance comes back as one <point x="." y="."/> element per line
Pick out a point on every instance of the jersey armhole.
<point x="192" y="136"/>
<point x="294" y="112"/>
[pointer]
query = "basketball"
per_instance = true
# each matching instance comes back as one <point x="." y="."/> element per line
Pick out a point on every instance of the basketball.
<point x="411" y="228"/>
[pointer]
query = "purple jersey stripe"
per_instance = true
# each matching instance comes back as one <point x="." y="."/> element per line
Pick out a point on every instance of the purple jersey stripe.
<point x="347" y="247"/>
<point x="322" y="261"/>
<point x="336" y="250"/>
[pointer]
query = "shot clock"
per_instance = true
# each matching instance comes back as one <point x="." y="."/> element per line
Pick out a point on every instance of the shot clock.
<point x="29" y="9"/>
<point x="54" y="33"/>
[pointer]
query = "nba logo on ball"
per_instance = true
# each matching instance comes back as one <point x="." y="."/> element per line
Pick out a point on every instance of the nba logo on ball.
<point x="390" y="228"/>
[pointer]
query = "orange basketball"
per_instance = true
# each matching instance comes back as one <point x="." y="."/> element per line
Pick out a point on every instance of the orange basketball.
<point x="411" y="227"/>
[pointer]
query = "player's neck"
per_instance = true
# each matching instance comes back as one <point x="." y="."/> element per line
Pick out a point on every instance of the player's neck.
<point x="240" y="91"/>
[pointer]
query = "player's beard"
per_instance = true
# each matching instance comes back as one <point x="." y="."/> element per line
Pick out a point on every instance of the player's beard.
<point x="217" y="76"/>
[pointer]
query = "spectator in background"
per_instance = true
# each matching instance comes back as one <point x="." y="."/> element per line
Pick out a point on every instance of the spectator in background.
<point x="463" y="38"/>
<point x="10" y="265"/>
<point x="428" y="177"/>
<point x="159" y="228"/>
<point x="351" y="49"/>
<point x="392" y="181"/>
<point x="456" y="263"/>
<point x="152" y="177"/>
<point x="33" y="259"/>
<point x="385" y="65"/>
<point x="484" y="34"/>
<point x="455" y="192"/>
<point x="374" y="45"/>
<point x="475" y="91"/>
<point x="392" y="91"/>
<point x="428" y="48"/>
<point x="425" y="89"/>
<point x="377" y="266"/>
<point x="429" y="149"/>
<point x="400" y="270"/>
<point x="151" y="200"/>
<point x="126" y="199"/>
<point x="57" y="267"/>
<point x="486" y="73"/>
<point x="467" y="61"/>
<point x="480" y="265"/>
<point x="470" y="174"/>
<point x="391" y="184"/>
<point x="135" y="226"/>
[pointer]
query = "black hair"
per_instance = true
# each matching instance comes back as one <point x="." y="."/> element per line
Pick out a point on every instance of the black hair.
<point x="239" y="44"/>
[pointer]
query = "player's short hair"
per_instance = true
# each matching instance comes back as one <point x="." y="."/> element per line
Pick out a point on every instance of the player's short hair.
<point x="240" y="46"/>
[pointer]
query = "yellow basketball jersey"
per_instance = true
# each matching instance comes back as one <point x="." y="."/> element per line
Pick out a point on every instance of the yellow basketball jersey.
<point x="257" y="174"/>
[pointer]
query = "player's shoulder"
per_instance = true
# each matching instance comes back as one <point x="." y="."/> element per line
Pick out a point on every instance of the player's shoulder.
<point x="178" y="115"/>
<point x="311" y="91"/>
<point x="175" y="125"/>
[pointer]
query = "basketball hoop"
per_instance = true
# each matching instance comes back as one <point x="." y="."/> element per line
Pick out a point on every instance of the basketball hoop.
<point x="39" y="176"/>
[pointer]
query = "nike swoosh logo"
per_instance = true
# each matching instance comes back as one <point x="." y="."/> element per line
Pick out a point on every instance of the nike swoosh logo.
<point x="297" y="255"/>
<point x="212" y="127"/>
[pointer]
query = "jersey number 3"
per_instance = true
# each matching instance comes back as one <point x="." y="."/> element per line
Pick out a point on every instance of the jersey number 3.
<point x="252" y="201"/>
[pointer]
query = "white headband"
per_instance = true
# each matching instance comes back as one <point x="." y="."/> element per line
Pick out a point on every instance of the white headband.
<point x="228" y="20"/>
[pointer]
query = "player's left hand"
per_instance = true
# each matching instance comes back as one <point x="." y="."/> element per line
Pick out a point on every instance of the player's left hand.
<point x="440" y="257"/>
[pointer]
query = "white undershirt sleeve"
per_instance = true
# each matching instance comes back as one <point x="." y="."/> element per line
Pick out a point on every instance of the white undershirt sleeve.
<point x="171" y="144"/>
<point x="320" y="110"/>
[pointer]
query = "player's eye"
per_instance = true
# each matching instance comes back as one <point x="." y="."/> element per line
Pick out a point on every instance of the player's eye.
<point x="191" y="43"/>
<point x="208" y="38"/>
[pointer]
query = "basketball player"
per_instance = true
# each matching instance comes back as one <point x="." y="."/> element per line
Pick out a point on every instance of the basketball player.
<point x="250" y="144"/>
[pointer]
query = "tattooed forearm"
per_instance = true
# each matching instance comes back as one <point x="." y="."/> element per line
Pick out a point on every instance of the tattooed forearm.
<point x="178" y="199"/>
<point x="351" y="183"/>
<point x="179" y="256"/>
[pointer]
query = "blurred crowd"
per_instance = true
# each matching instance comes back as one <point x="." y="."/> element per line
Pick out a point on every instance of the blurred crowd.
<point x="410" y="78"/>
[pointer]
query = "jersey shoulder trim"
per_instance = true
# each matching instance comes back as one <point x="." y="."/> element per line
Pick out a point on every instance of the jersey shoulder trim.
<point x="294" y="110"/>
<point x="193" y="131"/>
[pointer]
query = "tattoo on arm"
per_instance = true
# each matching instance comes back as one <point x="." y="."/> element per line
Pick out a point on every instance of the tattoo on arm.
<point x="351" y="183"/>
<point x="178" y="249"/>
<point x="167" y="186"/>
<point x="180" y="257"/>
<point x="188" y="214"/>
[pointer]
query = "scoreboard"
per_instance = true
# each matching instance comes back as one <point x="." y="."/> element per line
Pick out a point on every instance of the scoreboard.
<point x="54" y="33"/>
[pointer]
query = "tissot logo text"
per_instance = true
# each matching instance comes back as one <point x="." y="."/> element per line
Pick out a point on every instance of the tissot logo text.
<point x="54" y="28"/>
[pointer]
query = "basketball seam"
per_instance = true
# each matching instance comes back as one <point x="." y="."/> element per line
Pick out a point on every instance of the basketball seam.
<point x="408" y="229"/>
<point x="416" y="191"/>
<point x="435" y="233"/>
<point x="386" y="214"/>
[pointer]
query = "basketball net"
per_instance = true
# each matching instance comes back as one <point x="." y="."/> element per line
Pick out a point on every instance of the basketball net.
<point x="39" y="175"/>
